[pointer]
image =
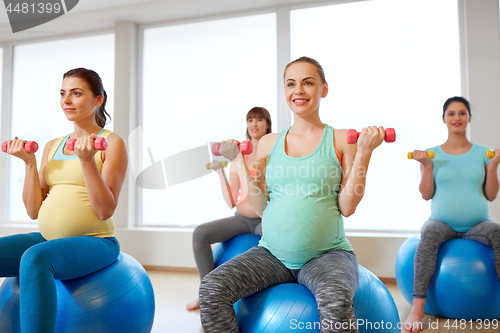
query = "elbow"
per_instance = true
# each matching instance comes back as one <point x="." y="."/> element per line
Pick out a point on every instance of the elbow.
<point x="348" y="207"/>
<point x="348" y="212"/>
<point x="106" y="210"/>
<point x="491" y="197"/>
<point x="427" y="195"/>
<point x="105" y="214"/>
<point x="104" y="217"/>
<point x="33" y="213"/>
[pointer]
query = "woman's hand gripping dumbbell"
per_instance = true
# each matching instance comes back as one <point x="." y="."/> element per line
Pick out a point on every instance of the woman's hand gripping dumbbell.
<point x="245" y="147"/>
<point x="100" y="143"/>
<point x="352" y="135"/>
<point x="29" y="146"/>
<point x="430" y="154"/>
<point x="490" y="153"/>
<point x="223" y="164"/>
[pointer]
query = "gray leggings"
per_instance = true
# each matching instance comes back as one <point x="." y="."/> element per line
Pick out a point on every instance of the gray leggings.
<point x="220" y="231"/>
<point x="434" y="233"/>
<point x="332" y="278"/>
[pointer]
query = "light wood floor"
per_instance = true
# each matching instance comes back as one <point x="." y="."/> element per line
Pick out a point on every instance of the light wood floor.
<point x="173" y="290"/>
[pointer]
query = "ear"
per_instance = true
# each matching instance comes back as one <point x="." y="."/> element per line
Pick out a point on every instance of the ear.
<point x="325" y="90"/>
<point x="100" y="99"/>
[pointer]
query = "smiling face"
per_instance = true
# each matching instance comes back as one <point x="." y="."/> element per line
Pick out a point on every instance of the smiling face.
<point x="77" y="100"/>
<point x="257" y="127"/>
<point x="456" y="117"/>
<point x="304" y="88"/>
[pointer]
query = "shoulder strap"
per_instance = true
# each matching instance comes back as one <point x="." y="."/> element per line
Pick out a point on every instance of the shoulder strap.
<point x="54" y="147"/>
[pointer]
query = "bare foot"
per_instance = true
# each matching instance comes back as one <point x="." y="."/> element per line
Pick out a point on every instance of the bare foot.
<point x="194" y="305"/>
<point x="414" y="321"/>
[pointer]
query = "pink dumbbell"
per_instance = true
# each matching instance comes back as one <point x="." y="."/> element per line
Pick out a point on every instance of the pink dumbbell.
<point x="353" y="135"/>
<point x="29" y="146"/>
<point x="100" y="143"/>
<point x="246" y="148"/>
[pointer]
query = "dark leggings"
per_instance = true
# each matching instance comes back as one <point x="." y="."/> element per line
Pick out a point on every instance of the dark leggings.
<point x="332" y="278"/>
<point x="217" y="231"/>
<point x="434" y="233"/>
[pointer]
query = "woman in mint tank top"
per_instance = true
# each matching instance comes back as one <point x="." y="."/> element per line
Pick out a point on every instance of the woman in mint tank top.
<point x="460" y="180"/>
<point x="308" y="177"/>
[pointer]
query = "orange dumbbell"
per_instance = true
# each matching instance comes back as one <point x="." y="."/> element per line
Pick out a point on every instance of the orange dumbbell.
<point x="430" y="153"/>
<point x="100" y="143"/>
<point x="246" y="148"/>
<point x="352" y="135"/>
<point x="29" y="146"/>
<point x="490" y="153"/>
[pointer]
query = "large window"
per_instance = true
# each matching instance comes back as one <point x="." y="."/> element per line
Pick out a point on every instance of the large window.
<point x="388" y="63"/>
<point x="199" y="81"/>
<point x="36" y="114"/>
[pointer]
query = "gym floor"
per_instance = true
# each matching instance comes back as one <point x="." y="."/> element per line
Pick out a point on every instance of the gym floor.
<point x="174" y="289"/>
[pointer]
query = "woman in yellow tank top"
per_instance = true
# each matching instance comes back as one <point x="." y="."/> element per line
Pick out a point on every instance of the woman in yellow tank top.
<point x="73" y="196"/>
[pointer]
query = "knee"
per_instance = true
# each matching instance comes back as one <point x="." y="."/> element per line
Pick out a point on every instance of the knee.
<point x="493" y="228"/>
<point x="335" y="302"/>
<point x="200" y="234"/>
<point x="435" y="230"/>
<point x="215" y="287"/>
<point x="211" y="284"/>
<point x="35" y="259"/>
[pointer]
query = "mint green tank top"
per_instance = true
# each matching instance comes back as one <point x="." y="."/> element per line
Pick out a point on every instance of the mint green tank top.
<point x="302" y="219"/>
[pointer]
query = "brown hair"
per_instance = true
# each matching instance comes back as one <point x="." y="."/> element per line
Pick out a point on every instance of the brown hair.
<point x="456" y="99"/>
<point x="95" y="84"/>
<point x="311" y="61"/>
<point x="259" y="112"/>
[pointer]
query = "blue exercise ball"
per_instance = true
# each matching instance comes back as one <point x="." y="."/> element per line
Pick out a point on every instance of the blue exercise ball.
<point x="118" y="298"/>
<point x="288" y="307"/>
<point x="292" y="307"/>
<point x="374" y="307"/>
<point x="465" y="284"/>
<point x="233" y="247"/>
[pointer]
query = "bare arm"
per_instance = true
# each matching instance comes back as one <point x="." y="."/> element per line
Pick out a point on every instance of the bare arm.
<point x="427" y="186"/>
<point x="491" y="184"/>
<point x="103" y="188"/>
<point x="255" y="189"/>
<point x="355" y="161"/>
<point x="35" y="189"/>
<point x="229" y="188"/>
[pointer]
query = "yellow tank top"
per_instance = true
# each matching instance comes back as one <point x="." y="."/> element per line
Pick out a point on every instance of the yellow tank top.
<point x="67" y="212"/>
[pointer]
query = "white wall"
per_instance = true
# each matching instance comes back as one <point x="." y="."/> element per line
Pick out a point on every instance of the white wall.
<point x="377" y="252"/>
<point x="482" y="73"/>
